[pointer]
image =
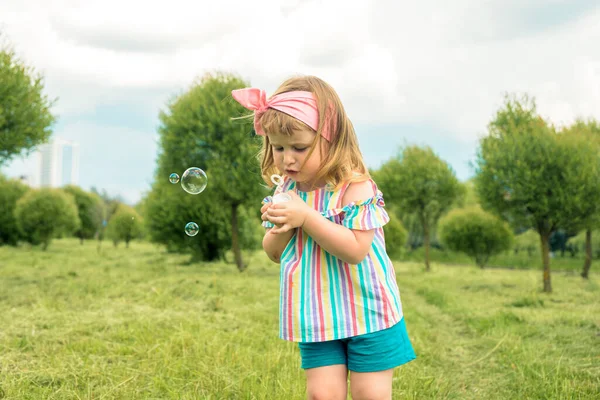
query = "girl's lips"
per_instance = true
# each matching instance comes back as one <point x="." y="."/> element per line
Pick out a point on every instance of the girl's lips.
<point x="290" y="172"/>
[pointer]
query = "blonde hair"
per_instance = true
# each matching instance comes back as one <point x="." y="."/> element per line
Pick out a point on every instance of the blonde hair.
<point x="343" y="161"/>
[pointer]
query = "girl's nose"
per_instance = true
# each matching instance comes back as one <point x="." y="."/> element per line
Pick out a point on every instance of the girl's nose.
<point x="288" y="158"/>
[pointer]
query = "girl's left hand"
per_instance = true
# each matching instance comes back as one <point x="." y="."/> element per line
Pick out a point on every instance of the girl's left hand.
<point x="288" y="215"/>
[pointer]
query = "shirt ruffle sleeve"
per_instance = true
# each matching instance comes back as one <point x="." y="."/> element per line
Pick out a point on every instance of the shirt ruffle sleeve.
<point x="362" y="215"/>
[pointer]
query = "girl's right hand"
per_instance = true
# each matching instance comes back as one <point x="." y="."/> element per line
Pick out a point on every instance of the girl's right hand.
<point x="264" y="209"/>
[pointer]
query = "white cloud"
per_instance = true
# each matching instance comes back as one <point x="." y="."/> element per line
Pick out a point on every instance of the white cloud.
<point x="441" y="62"/>
<point x="431" y="62"/>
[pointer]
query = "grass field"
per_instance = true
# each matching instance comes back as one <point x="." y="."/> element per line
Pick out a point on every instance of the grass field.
<point x="139" y="323"/>
<point x="504" y="260"/>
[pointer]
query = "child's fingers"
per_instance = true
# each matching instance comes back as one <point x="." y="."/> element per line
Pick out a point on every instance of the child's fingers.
<point x="282" y="229"/>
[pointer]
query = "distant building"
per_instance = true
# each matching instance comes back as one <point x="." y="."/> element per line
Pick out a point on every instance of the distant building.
<point x="58" y="164"/>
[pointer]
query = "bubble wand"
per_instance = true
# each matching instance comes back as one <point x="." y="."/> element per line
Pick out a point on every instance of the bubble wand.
<point x="279" y="197"/>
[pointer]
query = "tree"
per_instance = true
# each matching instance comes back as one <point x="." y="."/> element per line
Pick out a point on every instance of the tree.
<point x="89" y="209"/>
<point x="43" y="214"/>
<point x="124" y="225"/>
<point x="11" y="190"/>
<point x="590" y="129"/>
<point x="532" y="177"/>
<point x="418" y="182"/>
<point x="197" y="130"/>
<point x="25" y="117"/>
<point x="476" y="233"/>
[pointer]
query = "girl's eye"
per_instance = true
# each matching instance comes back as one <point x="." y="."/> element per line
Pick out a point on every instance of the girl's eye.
<point x="277" y="148"/>
<point x="300" y="149"/>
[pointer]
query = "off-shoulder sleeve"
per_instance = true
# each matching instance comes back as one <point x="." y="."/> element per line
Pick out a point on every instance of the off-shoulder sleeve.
<point x="363" y="215"/>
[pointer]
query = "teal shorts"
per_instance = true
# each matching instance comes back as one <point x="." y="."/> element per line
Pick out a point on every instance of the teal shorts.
<point x="372" y="352"/>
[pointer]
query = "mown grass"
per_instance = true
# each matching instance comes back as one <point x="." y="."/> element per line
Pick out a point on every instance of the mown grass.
<point x="508" y="260"/>
<point x="139" y="323"/>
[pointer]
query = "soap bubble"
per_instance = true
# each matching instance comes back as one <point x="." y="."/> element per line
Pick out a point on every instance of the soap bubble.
<point x="191" y="229"/>
<point x="194" y="180"/>
<point x="173" y="178"/>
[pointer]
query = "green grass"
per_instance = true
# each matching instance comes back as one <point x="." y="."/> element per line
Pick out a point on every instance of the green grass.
<point x="505" y="260"/>
<point x="139" y="323"/>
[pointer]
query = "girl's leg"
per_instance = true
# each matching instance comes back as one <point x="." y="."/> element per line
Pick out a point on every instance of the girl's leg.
<point x="371" y="385"/>
<point x="327" y="383"/>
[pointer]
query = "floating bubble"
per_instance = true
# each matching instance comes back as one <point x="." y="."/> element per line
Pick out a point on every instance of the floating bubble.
<point x="194" y="180"/>
<point x="191" y="229"/>
<point x="173" y="178"/>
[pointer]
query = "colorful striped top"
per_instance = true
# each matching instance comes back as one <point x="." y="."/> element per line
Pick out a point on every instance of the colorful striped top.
<point x="324" y="298"/>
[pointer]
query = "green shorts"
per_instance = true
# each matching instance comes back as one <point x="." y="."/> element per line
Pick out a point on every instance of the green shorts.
<point x="376" y="351"/>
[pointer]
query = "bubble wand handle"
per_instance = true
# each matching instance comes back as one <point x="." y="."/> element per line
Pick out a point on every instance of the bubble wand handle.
<point x="279" y="197"/>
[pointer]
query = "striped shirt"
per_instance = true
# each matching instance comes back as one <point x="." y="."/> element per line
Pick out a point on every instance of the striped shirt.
<point x="324" y="298"/>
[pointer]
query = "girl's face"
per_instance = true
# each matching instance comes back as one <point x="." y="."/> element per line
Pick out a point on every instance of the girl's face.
<point x="290" y="152"/>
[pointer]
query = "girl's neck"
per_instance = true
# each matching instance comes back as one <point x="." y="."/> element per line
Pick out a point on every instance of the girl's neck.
<point x="309" y="187"/>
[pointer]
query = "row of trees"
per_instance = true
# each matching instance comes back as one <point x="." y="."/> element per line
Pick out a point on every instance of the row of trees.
<point x="530" y="175"/>
<point x="36" y="216"/>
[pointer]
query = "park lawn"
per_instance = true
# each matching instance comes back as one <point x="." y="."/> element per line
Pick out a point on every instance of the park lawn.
<point x="140" y="323"/>
<point x="507" y="260"/>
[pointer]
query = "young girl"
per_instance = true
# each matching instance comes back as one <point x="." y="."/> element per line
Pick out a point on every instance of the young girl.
<point x="339" y="297"/>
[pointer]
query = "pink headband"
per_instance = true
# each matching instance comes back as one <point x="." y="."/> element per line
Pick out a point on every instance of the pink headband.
<point x="299" y="104"/>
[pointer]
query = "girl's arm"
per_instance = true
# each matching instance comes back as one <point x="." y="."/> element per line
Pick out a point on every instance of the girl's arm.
<point x="349" y="245"/>
<point x="275" y="243"/>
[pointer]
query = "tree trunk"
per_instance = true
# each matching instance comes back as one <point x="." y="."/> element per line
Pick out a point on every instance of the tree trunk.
<point x="588" y="254"/>
<point x="426" y="243"/>
<point x="545" y="238"/>
<point x="235" y="242"/>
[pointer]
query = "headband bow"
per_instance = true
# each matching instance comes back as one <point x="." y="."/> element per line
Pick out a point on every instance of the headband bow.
<point x="299" y="104"/>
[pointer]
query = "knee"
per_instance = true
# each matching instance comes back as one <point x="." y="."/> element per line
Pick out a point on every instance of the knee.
<point x="371" y="393"/>
<point x="325" y="393"/>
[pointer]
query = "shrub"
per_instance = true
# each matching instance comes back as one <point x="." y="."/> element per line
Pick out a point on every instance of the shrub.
<point x="43" y="214"/>
<point x="89" y="208"/>
<point x="475" y="232"/>
<point x="528" y="241"/>
<point x="125" y="225"/>
<point x="395" y="236"/>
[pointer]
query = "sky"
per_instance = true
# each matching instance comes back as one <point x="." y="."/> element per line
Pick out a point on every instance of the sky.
<point x="430" y="73"/>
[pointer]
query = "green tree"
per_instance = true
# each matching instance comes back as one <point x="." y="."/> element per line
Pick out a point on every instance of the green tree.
<point x="533" y="177"/>
<point x="419" y="182"/>
<point x="11" y="190"/>
<point x="476" y="233"/>
<point x="25" y="117"/>
<point x="589" y="129"/>
<point x="124" y="225"/>
<point x="43" y="214"/>
<point x="89" y="207"/>
<point x="197" y="130"/>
